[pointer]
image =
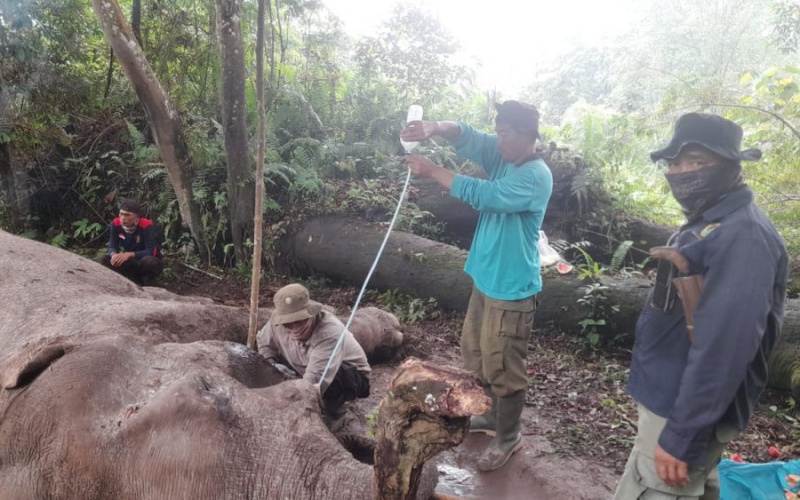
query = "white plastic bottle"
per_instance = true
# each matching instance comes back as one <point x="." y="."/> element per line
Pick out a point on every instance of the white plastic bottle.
<point x="414" y="114"/>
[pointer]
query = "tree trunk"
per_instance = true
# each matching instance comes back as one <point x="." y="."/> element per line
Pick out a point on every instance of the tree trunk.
<point x="339" y="247"/>
<point x="344" y="249"/>
<point x="425" y="411"/>
<point x="241" y="189"/>
<point x="271" y="84"/>
<point x="460" y="220"/>
<point x="136" y="21"/>
<point x="163" y="118"/>
<point x="109" y="74"/>
<point x="255" y="280"/>
<point x="8" y="183"/>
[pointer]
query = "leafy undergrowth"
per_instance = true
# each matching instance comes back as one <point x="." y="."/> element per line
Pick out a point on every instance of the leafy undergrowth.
<point x="577" y="393"/>
<point x="583" y="390"/>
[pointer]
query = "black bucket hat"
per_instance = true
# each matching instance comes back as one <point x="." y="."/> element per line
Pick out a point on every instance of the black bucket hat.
<point x="520" y="116"/>
<point x="713" y="132"/>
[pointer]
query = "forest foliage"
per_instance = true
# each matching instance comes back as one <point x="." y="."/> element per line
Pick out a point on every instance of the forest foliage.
<point x="74" y="137"/>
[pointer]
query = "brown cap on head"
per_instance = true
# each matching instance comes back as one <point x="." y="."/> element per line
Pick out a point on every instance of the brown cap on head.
<point x="292" y="303"/>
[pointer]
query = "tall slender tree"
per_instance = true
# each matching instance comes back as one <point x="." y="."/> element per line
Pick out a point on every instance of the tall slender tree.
<point x="240" y="180"/>
<point x="163" y="118"/>
<point x="258" y="216"/>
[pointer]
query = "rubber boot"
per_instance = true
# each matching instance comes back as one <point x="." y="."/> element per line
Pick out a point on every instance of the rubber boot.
<point x="485" y="423"/>
<point x="508" y="439"/>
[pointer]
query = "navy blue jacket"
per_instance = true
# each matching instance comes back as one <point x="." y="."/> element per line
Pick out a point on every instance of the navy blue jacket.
<point x="143" y="242"/>
<point x="716" y="379"/>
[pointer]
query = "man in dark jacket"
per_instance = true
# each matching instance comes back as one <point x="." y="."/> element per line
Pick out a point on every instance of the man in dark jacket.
<point x="133" y="245"/>
<point x="697" y="387"/>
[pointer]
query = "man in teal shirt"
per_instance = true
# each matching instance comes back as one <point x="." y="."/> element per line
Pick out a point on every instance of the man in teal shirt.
<point x="503" y="260"/>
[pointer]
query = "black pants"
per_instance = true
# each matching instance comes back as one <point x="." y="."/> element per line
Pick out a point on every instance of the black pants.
<point x="140" y="271"/>
<point x="348" y="384"/>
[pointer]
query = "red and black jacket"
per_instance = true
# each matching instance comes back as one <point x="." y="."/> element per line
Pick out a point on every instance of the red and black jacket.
<point x="143" y="242"/>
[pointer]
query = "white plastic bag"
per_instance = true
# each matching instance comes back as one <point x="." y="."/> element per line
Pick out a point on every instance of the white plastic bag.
<point x="547" y="254"/>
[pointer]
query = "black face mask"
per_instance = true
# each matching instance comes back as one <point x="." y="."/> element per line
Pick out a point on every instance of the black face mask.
<point x="699" y="190"/>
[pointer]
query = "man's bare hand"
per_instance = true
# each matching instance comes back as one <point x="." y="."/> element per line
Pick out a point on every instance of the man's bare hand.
<point x="419" y="131"/>
<point x="420" y="166"/>
<point x="117" y="259"/>
<point x="672" y="471"/>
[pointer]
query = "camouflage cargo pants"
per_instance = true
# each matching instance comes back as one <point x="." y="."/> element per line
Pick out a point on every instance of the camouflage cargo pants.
<point x="494" y="341"/>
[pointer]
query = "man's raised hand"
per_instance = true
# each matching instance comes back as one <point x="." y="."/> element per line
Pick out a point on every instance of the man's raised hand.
<point x="418" y="131"/>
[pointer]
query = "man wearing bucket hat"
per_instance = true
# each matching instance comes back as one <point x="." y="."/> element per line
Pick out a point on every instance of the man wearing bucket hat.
<point x="696" y="392"/>
<point x="503" y="259"/>
<point x="303" y="335"/>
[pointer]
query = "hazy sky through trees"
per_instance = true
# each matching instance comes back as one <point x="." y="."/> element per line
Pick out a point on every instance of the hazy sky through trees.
<point x="505" y="41"/>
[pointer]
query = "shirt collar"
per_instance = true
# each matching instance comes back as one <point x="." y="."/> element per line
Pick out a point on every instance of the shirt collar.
<point x="728" y="204"/>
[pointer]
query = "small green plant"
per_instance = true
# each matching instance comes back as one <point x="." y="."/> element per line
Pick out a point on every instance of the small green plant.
<point x="86" y="230"/>
<point x="60" y="240"/>
<point x="590" y="269"/>
<point x="618" y="258"/>
<point x="589" y="330"/>
<point x="598" y="308"/>
<point x="407" y="308"/>
<point x="593" y="299"/>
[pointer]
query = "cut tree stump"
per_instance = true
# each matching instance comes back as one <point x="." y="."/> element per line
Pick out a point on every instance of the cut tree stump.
<point x="425" y="411"/>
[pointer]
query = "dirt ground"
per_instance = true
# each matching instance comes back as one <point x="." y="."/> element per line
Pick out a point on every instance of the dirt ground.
<point x="578" y="422"/>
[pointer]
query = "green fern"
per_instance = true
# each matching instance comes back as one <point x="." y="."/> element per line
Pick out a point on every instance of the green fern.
<point x="60" y="240"/>
<point x="618" y="258"/>
<point x="142" y="152"/>
<point x="280" y="170"/>
<point x="153" y="174"/>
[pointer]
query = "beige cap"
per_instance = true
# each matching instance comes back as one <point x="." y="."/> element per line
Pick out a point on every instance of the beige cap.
<point x="292" y="303"/>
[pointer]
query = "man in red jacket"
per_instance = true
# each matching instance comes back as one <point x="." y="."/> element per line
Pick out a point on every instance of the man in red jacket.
<point x="133" y="245"/>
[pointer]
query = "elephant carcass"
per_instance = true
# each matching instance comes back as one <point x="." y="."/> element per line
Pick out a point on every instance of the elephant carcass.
<point x="114" y="391"/>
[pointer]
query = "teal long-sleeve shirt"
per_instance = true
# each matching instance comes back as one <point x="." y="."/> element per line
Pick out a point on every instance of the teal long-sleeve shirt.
<point x="503" y="260"/>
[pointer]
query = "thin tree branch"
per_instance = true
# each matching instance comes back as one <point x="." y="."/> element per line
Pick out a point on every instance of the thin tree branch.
<point x="197" y="269"/>
<point x="762" y="110"/>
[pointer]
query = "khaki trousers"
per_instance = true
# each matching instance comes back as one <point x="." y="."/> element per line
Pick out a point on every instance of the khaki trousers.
<point x="640" y="479"/>
<point x="494" y="341"/>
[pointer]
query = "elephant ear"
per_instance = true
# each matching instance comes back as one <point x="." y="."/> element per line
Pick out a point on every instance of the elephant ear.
<point x="24" y="366"/>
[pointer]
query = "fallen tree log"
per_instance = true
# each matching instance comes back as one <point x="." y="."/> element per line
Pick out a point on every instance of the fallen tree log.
<point x="344" y="248"/>
<point x="566" y="218"/>
<point x="578" y="211"/>
<point x="109" y="390"/>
